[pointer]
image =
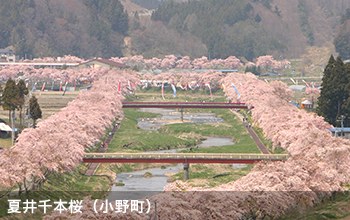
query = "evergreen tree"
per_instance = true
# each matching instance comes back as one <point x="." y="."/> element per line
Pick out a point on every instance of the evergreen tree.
<point x="34" y="110"/>
<point x="23" y="91"/>
<point x="10" y="97"/>
<point x="334" y="94"/>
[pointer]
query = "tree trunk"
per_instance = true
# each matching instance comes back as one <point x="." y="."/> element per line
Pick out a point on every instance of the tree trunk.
<point x="19" y="188"/>
<point x="20" y="116"/>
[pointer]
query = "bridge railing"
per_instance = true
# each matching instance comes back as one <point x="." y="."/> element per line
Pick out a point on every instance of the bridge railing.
<point x="185" y="105"/>
<point x="187" y="156"/>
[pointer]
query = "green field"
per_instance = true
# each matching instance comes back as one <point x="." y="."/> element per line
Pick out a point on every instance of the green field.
<point x="130" y="138"/>
<point x="181" y="135"/>
<point x="5" y="142"/>
<point x="336" y="207"/>
<point x="50" y="103"/>
<point x="211" y="176"/>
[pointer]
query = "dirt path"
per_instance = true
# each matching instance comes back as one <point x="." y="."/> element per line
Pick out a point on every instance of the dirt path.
<point x="103" y="148"/>
<point x="252" y="133"/>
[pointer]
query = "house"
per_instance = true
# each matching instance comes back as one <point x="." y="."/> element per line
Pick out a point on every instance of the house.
<point x="5" y="130"/>
<point x="307" y="104"/>
<point x="340" y="132"/>
<point x="101" y="63"/>
<point x="7" y="55"/>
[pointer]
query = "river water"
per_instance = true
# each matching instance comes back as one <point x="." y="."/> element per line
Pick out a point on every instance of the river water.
<point x="136" y="181"/>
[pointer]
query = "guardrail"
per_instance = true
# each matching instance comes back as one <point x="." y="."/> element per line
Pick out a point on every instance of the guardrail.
<point x="194" y="157"/>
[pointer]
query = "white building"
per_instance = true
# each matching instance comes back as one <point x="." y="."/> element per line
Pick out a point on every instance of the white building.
<point x="7" y="55"/>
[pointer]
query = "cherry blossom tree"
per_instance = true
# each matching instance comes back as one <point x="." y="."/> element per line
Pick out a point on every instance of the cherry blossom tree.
<point x="58" y="142"/>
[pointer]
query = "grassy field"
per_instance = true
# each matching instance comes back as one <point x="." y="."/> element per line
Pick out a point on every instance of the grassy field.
<point x="337" y="207"/>
<point x="5" y="142"/>
<point x="211" y="176"/>
<point x="181" y="135"/>
<point x="50" y="102"/>
<point x="130" y="138"/>
<point x="231" y="127"/>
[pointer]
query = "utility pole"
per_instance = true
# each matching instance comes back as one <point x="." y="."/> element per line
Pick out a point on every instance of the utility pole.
<point x="342" y="117"/>
<point x="182" y="114"/>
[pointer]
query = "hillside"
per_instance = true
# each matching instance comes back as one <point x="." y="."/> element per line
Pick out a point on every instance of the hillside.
<point x="154" y="28"/>
<point x="83" y="28"/>
<point x="342" y="40"/>
<point x="250" y="28"/>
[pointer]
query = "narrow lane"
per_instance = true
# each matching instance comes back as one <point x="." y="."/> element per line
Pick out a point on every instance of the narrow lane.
<point x="252" y="133"/>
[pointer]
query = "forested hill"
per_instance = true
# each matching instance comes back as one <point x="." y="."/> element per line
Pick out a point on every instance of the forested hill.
<point x="56" y="27"/>
<point x="214" y="28"/>
<point x="251" y="28"/>
<point x="342" y="40"/>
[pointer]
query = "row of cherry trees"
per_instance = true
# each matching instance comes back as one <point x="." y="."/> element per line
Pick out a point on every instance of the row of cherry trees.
<point x="64" y="59"/>
<point x="47" y="74"/>
<point x="58" y="143"/>
<point x="269" y="62"/>
<point x="171" y="61"/>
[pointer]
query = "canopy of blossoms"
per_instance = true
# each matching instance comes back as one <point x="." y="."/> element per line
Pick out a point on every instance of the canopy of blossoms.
<point x="185" y="62"/>
<point x="58" y="142"/>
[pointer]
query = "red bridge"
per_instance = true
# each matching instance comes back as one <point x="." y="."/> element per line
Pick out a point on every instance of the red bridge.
<point x="185" y="105"/>
<point x="185" y="158"/>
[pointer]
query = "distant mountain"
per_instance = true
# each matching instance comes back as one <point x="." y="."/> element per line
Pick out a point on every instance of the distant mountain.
<point x="83" y="28"/>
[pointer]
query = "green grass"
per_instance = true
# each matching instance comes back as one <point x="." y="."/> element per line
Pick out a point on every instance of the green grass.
<point x="5" y="142"/>
<point x="226" y="149"/>
<point x="131" y="138"/>
<point x="267" y="142"/>
<point x="76" y="181"/>
<point x="231" y="127"/>
<point x="211" y="176"/>
<point x="336" y="207"/>
<point x="181" y="135"/>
